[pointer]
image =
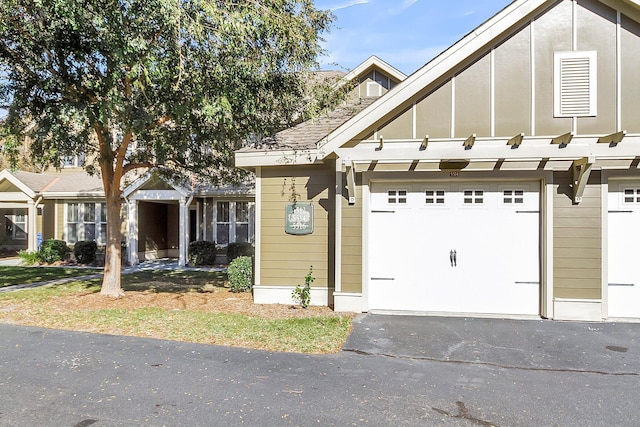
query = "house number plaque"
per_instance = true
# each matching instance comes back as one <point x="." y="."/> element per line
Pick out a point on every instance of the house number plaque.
<point x="298" y="218"/>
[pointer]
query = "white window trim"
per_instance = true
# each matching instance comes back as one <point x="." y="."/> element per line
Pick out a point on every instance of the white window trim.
<point x="12" y="218"/>
<point x="99" y="221"/>
<point x="232" y="220"/>
<point x="558" y="57"/>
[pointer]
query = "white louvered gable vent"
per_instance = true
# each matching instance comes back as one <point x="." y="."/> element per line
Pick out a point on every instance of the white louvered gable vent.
<point x="575" y="85"/>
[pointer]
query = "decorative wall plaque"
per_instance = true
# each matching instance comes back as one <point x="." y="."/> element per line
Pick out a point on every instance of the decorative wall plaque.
<point x="298" y="218"/>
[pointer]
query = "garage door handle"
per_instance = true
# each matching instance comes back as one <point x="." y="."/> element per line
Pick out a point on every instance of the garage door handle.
<point x="453" y="258"/>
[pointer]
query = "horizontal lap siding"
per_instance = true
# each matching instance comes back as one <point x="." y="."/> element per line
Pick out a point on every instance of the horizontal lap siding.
<point x="285" y="258"/>
<point x="351" y="259"/>
<point x="577" y="239"/>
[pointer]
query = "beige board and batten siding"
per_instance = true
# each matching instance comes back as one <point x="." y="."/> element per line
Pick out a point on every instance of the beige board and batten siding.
<point x="597" y="31"/>
<point x="351" y="236"/>
<point x="523" y="64"/>
<point x="577" y="239"/>
<point x="630" y="77"/>
<point x="286" y="258"/>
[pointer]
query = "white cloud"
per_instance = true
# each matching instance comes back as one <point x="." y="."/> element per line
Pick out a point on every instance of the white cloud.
<point x="348" y="4"/>
<point x="406" y="4"/>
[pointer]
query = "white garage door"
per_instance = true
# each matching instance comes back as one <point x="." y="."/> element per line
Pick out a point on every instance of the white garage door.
<point x="624" y="235"/>
<point x="454" y="247"/>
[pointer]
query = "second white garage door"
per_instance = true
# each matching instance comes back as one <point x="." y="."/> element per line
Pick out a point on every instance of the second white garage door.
<point x="624" y="235"/>
<point x="454" y="248"/>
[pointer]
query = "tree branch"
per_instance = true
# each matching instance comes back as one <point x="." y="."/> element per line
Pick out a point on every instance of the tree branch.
<point x="132" y="166"/>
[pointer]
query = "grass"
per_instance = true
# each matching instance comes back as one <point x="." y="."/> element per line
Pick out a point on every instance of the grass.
<point x="37" y="307"/>
<point x="22" y="275"/>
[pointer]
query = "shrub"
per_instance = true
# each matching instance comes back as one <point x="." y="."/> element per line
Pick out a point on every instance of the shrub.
<point x="53" y="250"/>
<point x="302" y="295"/>
<point x="202" y="253"/>
<point x="237" y="249"/>
<point x="240" y="273"/>
<point x="29" y="258"/>
<point x="85" y="251"/>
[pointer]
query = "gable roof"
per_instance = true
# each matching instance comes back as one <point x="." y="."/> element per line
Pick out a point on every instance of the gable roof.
<point x="54" y="185"/>
<point x="514" y="13"/>
<point x="307" y="134"/>
<point x="76" y="184"/>
<point x="370" y="63"/>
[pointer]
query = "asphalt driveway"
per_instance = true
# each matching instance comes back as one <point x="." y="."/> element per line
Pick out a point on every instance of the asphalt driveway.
<point x="394" y="370"/>
<point x="612" y="348"/>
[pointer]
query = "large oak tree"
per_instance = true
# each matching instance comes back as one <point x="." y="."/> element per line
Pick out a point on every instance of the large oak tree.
<point x="135" y="84"/>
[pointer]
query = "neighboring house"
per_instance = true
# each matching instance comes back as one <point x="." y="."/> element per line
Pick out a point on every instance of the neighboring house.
<point x="35" y="207"/>
<point x="499" y="179"/>
<point x="163" y="218"/>
<point x="159" y="219"/>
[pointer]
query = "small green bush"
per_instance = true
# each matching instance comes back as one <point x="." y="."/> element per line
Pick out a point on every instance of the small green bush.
<point x="53" y="250"/>
<point x="237" y="249"/>
<point x="302" y="295"/>
<point x="85" y="251"/>
<point x="240" y="273"/>
<point x="202" y="253"/>
<point x="29" y="258"/>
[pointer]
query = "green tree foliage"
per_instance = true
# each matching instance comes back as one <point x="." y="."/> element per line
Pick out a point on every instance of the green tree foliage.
<point x="135" y="84"/>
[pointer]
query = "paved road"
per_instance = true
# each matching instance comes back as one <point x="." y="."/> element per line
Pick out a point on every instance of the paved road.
<point x="395" y="371"/>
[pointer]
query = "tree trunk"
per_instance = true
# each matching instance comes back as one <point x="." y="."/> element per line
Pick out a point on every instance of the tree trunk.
<point x="111" y="281"/>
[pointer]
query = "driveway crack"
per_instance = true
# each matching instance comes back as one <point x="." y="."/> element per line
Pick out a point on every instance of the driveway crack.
<point x="496" y="365"/>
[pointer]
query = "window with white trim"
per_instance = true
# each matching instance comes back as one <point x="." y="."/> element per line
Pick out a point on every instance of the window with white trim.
<point x="74" y="161"/>
<point x="222" y="223"/>
<point x="16" y="226"/>
<point x="631" y="196"/>
<point x="233" y="222"/>
<point x="575" y="84"/>
<point x="397" y="197"/>
<point x="242" y="221"/>
<point x="86" y="221"/>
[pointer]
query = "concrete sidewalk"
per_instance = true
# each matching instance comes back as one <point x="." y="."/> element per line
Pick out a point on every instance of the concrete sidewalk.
<point x="608" y="348"/>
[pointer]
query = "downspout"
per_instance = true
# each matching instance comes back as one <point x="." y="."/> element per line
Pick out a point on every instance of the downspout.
<point x="186" y="234"/>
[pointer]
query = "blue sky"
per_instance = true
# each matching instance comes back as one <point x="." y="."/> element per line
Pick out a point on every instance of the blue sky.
<point x="404" y="33"/>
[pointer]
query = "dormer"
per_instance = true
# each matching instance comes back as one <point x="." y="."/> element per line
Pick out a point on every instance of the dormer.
<point x="375" y="78"/>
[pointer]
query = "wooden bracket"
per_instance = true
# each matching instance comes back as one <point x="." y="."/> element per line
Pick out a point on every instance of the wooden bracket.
<point x="351" y="183"/>
<point x="614" y="138"/>
<point x="563" y="140"/>
<point x="516" y="141"/>
<point x="468" y="143"/>
<point x="581" y="170"/>
<point x="425" y="142"/>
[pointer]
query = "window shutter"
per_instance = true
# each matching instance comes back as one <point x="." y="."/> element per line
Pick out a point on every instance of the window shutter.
<point x="575" y="84"/>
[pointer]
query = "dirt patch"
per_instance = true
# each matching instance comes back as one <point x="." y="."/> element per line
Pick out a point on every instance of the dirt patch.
<point x="211" y="299"/>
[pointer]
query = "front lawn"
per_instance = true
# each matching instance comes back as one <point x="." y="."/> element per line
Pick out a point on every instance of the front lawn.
<point x="192" y="306"/>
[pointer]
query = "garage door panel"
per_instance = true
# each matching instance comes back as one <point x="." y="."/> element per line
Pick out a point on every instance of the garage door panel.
<point x="623" y="240"/>
<point x="459" y="247"/>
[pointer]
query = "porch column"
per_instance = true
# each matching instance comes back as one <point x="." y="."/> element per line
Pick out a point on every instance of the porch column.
<point x="132" y="238"/>
<point x="184" y="235"/>
<point x="32" y="231"/>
